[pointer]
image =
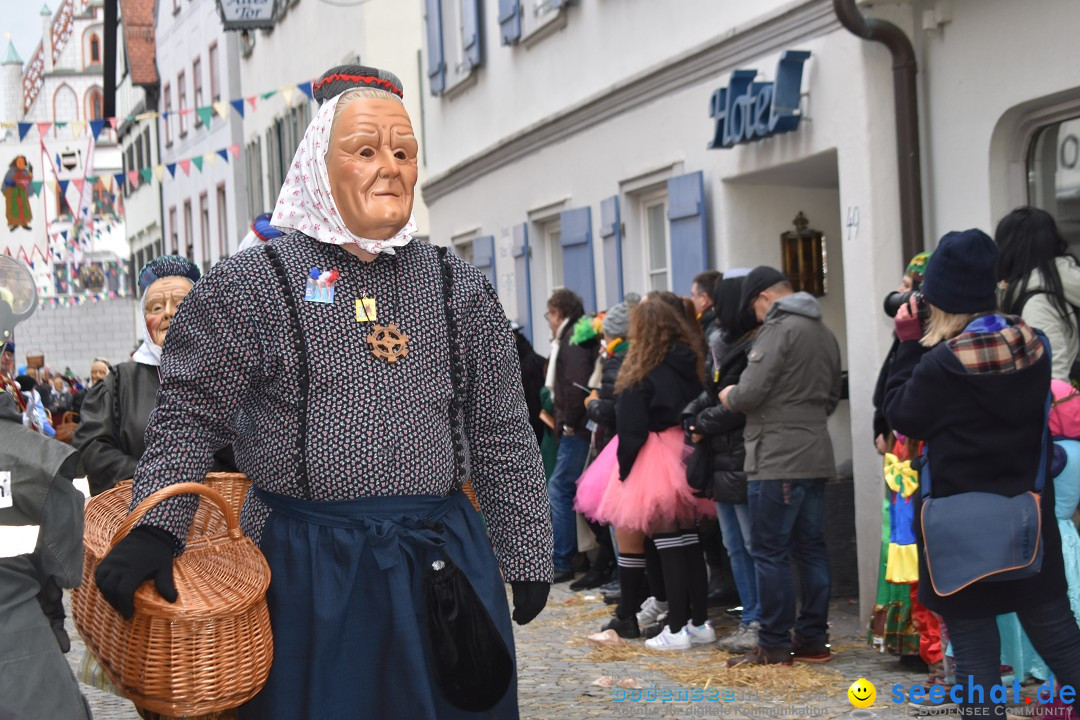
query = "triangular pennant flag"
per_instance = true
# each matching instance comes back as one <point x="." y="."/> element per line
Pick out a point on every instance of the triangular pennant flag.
<point x="114" y="122"/>
<point x="251" y="101"/>
<point x="186" y="111"/>
<point x="118" y="178"/>
<point x="159" y="172"/>
<point x="64" y="186"/>
<point x="209" y="159"/>
<point x="205" y="113"/>
<point x="224" y="153"/>
<point x="43" y="128"/>
<point x="222" y="109"/>
<point x="238" y="105"/>
<point x="147" y="174"/>
<point x="268" y="94"/>
<point x="60" y="124"/>
<point x="78" y="128"/>
<point x="235" y="150"/>
<point x="96" y="126"/>
<point x="79" y="184"/>
<point x="24" y="128"/>
<point x="171" y="167"/>
<point x="306" y="89"/>
<point x="185" y="165"/>
<point x="92" y="179"/>
<point x="287" y="92"/>
<point x="133" y="178"/>
<point x="197" y="160"/>
<point x="146" y="116"/>
<point x="165" y="115"/>
<point x="64" y="234"/>
<point x="51" y="184"/>
<point x="35" y="187"/>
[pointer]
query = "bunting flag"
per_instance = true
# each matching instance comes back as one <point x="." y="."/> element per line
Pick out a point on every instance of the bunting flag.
<point x="96" y="126"/>
<point x="251" y="101"/>
<point x="133" y="178"/>
<point x="146" y="173"/>
<point x="78" y="127"/>
<point x="222" y="109"/>
<point x="171" y="167"/>
<point x="79" y="184"/>
<point x="185" y="165"/>
<point x="238" y="106"/>
<point x="43" y="128"/>
<point x="235" y="150"/>
<point x="306" y="89"/>
<point x="24" y="127"/>
<point x="146" y="116"/>
<point x="210" y="159"/>
<point x="64" y="186"/>
<point x="287" y="92"/>
<point x="35" y="187"/>
<point x="60" y="124"/>
<point x="197" y="160"/>
<point x="114" y="122"/>
<point x="268" y="94"/>
<point x="186" y="111"/>
<point x="118" y="178"/>
<point x="205" y="114"/>
<point x="224" y="153"/>
<point x="159" y="172"/>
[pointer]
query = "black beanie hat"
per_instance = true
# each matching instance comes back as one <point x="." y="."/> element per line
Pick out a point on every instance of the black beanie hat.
<point x="960" y="276"/>
<point x="338" y="79"/>
<point x="758" y="281"/>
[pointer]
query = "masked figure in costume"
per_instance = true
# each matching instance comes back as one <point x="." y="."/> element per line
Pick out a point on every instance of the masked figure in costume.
<point x="41" y="526"/>
<point x="357" y="413"/>
<point x="115" y="412"/>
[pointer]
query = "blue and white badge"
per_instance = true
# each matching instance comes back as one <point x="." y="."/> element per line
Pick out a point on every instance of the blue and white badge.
<point x="320" y="285"/>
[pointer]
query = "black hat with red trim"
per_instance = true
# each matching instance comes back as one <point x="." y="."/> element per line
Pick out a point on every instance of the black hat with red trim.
<point x="349" y="77"/>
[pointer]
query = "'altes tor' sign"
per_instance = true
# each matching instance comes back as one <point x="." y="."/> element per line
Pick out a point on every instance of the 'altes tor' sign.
<point x="746" y="111"/>
<point x="247" y="14"/>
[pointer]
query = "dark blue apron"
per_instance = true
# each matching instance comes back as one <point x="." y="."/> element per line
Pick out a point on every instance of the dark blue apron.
<point x="346" y="603"/>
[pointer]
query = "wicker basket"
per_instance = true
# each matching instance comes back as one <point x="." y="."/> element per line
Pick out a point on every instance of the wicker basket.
<point x="211" y="650"/>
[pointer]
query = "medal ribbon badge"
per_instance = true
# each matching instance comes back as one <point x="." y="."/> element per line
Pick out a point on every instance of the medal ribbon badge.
<point x="320" y="285"/>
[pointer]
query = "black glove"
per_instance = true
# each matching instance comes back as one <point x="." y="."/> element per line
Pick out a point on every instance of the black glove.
<point x="145" y="553"/>
<point x="51" y="599"/>
<point x="530" y="597"/>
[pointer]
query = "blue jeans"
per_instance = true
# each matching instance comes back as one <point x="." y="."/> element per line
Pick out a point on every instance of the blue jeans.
<point x="562" y="486"/>
<point x="785" y="523"/>
<point x="735" y="530"/>
<point x="1053" y="632"/>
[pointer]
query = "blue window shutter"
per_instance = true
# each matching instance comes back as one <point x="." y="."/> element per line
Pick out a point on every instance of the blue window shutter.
<point x="578" y="272"/>
<point x="522" y="278"/>
<point x="687" y="229"/>
<point x="470" y="35"/>
<point x="436" y="69"/>
<point x="510" y="21"/>
<point x="483" y="253"/>
<point x="611" y="236"/>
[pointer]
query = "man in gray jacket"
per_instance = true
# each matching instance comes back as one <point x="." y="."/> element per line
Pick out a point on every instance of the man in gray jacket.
<point x="789" y="388"/>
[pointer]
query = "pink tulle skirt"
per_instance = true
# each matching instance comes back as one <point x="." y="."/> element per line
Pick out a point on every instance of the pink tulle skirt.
<point x="653" y="498"/>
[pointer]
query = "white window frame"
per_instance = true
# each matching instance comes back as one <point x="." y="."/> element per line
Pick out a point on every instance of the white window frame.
<point x="462" y="245"/>
<point x="551" y="233"/>
<point x="540" y="19"/>
<point x="457" y="68"/>
<point x="646" y="203"/>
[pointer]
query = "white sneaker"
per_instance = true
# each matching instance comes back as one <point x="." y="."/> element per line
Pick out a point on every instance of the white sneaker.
<point x="651" y="611"/>
<point x="668" y="640"/>
<point x="702" y="634"/>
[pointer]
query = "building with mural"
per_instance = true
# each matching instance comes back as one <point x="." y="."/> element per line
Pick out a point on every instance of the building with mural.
<point x="60" y="163"/>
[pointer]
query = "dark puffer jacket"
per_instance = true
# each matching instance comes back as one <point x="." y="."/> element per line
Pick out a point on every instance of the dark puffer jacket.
<point x="723" y="428"/>
<point x="602" y="411"/>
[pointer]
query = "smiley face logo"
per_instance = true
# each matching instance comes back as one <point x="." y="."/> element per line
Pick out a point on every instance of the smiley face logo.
<point x="862" y="693"/>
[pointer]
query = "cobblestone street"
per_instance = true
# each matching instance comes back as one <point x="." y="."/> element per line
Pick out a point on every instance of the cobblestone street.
<point x="560" y="670"/>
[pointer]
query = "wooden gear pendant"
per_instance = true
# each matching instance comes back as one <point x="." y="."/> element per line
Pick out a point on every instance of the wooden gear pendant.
<point x="388" y="343"/>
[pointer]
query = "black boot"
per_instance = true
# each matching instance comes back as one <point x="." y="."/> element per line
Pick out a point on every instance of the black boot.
<point x="626" y="628"/>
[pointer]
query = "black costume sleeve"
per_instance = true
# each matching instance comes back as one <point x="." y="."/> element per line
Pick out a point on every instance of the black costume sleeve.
<point x="632" y="409"/>
<point x="913" y="391"/>
<point x="105" y="460"/>
<point x="578" y="368"/>
<point x="507" y="472"/>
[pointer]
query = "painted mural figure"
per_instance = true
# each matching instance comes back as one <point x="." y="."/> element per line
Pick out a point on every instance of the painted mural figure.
<point x="17" y="193"/>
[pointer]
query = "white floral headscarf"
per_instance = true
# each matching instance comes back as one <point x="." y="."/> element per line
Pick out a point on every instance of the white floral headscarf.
<point x="305" y="203"/>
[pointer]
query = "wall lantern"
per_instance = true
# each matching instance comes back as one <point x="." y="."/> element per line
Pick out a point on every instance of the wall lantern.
<point x="805" y="259"/>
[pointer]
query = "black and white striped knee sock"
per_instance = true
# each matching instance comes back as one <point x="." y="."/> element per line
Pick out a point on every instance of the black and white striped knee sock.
<point x="631" y="579"/>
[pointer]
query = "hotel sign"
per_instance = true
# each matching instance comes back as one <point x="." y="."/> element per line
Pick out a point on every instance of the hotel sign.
<point x="247" y="14"/>
<point x="746" y="111"/>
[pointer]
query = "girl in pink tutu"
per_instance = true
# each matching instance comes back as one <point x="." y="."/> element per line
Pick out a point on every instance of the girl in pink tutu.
<point x="645" y="492"/>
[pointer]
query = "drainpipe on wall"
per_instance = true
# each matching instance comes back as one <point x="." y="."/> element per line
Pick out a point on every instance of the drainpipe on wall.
<point x="907" y="118"/>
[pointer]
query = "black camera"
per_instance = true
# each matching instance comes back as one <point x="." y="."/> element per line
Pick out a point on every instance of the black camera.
<point x="895" y="300"/>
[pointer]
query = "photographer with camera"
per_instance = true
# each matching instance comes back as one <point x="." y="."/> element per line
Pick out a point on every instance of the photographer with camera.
<point x="973" y="384"/>
<point x="1040" y="281"/>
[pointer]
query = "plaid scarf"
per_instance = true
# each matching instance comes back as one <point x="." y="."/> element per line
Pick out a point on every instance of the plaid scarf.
<point x="996" y="344"/>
